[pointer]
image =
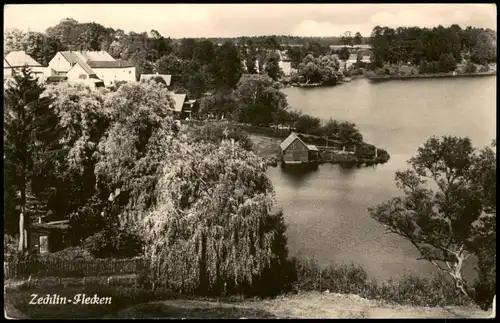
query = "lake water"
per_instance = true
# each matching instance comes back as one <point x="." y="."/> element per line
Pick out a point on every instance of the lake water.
<point x="326" y="210"/>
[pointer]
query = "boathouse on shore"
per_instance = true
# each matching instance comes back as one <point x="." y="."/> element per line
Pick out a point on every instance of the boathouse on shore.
<point x="296" y="151"/>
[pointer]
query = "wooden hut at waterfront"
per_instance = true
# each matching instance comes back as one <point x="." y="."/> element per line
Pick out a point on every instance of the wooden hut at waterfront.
<point x="296" y="151"/>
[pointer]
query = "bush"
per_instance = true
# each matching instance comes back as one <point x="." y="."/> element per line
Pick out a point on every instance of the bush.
<point x="353" y="279"/>
<point x="10" y="245"/>
<point x="216" y="132"/>
<point x="470" y="68"/>
<point x="114" y="243"/>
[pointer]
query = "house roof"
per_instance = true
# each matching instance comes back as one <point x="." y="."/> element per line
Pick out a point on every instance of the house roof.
<point x="85" y="67"/>
<point x="98" y="56"/>
<point x="89" y="60"/>
<point x="110" y="64"/>
<point x="179" y="100"/>
<point x="166" y="77"/>
<point x="20" y="58"/>
<point x="312" y="147"/>
<point x="291" y="138"/>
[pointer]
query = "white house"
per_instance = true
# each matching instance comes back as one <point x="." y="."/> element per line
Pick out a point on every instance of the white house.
<point x="15" y="60"/>
<point x="86" y="65"/>
<point x="286" y="67"/>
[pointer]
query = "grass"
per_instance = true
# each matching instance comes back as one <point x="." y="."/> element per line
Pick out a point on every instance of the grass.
<point x="351" y="279"/>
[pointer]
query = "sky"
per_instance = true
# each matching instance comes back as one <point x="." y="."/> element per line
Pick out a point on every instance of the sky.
<point x="233" y="20"/>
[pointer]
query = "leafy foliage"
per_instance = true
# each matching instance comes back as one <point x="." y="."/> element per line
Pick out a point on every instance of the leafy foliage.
<point x="114" y="243"/>
<point x="211" y="230"/>
<point x="30" y="148"/>
<point x="259" y="100"/>
<point x="443" y="224"/>
<point x="128" y="158"/>
<point x="323" y="69"/>
<point x="414" y="44"/>
<point x="215" y="133"/>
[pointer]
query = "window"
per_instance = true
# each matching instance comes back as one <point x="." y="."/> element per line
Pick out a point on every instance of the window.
<point x="130" y="72"/>
<point x="82" y="76"/>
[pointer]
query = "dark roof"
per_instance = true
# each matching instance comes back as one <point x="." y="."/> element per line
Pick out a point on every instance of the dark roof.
<point x="110" y="64"/>
<point x="56" y="78"/>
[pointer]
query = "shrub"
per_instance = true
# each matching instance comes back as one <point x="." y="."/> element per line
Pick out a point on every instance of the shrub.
<point x="114" y="243"/>
<point x="10" y="245"/>
<point x="353" y="279"/>
<point x="216" y="132"/>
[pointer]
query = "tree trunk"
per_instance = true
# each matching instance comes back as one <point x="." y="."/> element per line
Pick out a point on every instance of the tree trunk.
<point x="22" y="231"/>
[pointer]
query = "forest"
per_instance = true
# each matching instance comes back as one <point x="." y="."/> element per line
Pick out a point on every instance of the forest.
<point x="413" y="45"/>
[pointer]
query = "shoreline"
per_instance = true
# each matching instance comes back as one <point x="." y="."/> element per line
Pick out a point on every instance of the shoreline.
<point x="427" y="76"/>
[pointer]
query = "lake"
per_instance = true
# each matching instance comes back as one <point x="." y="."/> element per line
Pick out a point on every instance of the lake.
<point x="326" y="210"/>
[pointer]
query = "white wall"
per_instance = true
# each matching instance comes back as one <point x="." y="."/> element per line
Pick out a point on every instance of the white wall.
<point x="59" y="63"/>
<point x="286" y="67"/>
<point x="110" y="75"/>
<point x="75" y="72"/>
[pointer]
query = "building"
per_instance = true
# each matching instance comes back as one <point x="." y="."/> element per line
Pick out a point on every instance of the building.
<point x="286" y="67"/>
<point x="167" y="78"/>
<point x="80" y="66"/>
<point x="47" y="237"/>
<point x="296" y="151"/>
<point x="15" y="60"/>
<point x="184" y="108"/>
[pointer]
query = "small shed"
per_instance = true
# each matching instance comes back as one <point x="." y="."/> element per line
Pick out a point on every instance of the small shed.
<point x="47" y="237"/>
<point x="295" y="151"/>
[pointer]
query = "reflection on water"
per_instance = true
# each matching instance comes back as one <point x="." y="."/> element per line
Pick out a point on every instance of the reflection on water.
<point x="326" y="210"/>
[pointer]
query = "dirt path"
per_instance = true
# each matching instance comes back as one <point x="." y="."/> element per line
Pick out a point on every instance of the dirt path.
<point x="310" y="305"/>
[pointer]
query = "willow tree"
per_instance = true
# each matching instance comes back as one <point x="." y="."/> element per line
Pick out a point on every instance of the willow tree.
<point x="213" y="229"/>
<point x="452" y="217"/>
<point x="128" y="155"/>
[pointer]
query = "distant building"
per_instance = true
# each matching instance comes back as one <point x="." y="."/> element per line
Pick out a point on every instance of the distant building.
<point x="15" y="60"/>
<point x="83" y="66"/>
<point x="44" y="238"/>
<point x="296" y="151"/>
<point x="184" y="108"/>
<point x="286" y="67"/>
<point x="165" y="77"/>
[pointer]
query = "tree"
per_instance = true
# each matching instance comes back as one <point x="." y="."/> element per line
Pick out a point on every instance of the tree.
<point x="358" y="39"/>
<point x="307" y="124"/>
<point x="228" y="66"/>
<point x="220" y="104"/>
<point x="26" y="152"/>
<point x="187" y="48"/>
<point x="272" y="67"/>
<point x="484" y="50"/>
<point x="323" y="69"/>
<point x="129" y="155"/>
<point x="441" y="223"/>
<point x="344" y="54"/>
<point x="82" y="123"/>
<point x="213" y="230"/>
<point x="259" y="100"/>
<point x="447" y="63"/>
<point x="347" y="38"/>
<point x="13" y="40"/>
